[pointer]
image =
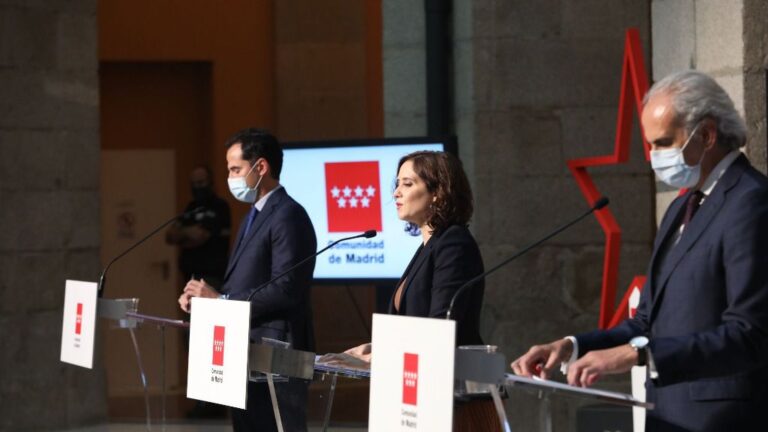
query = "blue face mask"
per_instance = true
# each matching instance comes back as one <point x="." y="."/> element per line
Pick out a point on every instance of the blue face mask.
<point x="670" y="167"/>
<point x="240" y="190"/>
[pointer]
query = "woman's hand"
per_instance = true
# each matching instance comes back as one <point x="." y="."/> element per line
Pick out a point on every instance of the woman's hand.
<point x="362" y="352"/>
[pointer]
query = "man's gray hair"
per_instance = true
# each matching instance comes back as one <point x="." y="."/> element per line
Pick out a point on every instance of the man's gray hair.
<point x="696" y="96"/>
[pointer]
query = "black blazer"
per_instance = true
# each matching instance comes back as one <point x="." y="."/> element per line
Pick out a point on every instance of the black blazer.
<point x="705" y="309"/>
<point x="436" y="271"/>
<point x="282" y="235"/>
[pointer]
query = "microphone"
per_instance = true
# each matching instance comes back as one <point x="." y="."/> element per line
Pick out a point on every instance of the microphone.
<point x="367" y="234"/>
<point x="103" y="276"/>
<point x="599" y="204"/>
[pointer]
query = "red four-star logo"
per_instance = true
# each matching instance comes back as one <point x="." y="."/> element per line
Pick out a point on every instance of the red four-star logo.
<point x="634" y="85"/>
<point x="353" y="196"/>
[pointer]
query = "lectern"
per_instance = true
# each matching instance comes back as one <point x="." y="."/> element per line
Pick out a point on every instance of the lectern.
<point x="274" y="359"/>
<point x="333" y="372"/>
<point x="544" y="388"/>
<point x="124" y="312"/>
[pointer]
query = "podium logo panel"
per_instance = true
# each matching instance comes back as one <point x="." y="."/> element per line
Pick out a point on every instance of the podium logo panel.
<point x="353" y="196"/>
<point x="79" y="319"/>
<point x="218" y="328"/>
<point x="78" y="324"/>
<point x="412" y="352"/>
<point x="410" y="378"/>
<point x="218" y="345"/>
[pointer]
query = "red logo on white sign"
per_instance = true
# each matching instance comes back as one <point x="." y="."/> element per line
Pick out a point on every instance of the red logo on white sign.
<point x="410" y="378"/>
<point x="218" y="345"/>
<point x="353" y="195"/>
<point x="79" y="319"/>
<point x="634" y="301"/>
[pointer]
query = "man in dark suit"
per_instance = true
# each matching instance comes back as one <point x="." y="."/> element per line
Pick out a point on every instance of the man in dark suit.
<point x="275" y="235"/>
<point x="702" y="323"/>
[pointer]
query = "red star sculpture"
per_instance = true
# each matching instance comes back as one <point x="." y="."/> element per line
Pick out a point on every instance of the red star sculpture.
<point x="634" y="85"/>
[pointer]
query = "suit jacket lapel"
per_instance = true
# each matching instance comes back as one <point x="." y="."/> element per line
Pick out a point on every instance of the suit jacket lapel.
<point x="667" y="227"/>
<point x="422" y="256"/>
<point x="691" y="233"/>
<point x="261" y="219"/>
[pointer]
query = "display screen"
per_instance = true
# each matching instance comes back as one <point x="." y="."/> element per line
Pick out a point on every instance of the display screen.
<point x="346" y="187"/>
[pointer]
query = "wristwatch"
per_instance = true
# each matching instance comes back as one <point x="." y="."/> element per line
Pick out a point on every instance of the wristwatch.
<point x="640" y="345"/>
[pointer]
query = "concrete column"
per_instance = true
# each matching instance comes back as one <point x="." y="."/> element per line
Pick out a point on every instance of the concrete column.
<point x="404" y="52"/>
<point x="464" y="86"/>
<point x="49" y="159"/>
<point x="755" y="15"/>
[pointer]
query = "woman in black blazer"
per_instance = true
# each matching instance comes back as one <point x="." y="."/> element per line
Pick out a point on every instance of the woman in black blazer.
<point x="433" y="196"/>
<point x="447" y="258"/>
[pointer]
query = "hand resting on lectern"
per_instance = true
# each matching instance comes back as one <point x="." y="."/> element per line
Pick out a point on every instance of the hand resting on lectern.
<point x="344" y="360"/>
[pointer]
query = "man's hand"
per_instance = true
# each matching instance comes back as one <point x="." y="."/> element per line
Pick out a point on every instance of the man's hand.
<point x="541" y="359"/>
<point x="184" y="300"/>
<point x="195" y="288"/>
<point x="588" y="369"/>
<point x="363" y="352"/>
<point x="345" y="360"/>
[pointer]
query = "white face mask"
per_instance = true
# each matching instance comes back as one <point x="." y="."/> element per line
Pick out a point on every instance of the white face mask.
<point x="669" y="165"/>
<point x="240" y="190"/>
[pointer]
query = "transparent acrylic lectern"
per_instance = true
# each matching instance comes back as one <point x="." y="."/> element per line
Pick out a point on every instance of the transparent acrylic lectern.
<point x="124" y="312"/>
<point x="274" y="361"/>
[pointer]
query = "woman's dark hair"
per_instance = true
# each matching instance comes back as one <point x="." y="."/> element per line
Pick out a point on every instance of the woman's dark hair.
<point x="444" y="177"/>
<point x="259" y="143"/>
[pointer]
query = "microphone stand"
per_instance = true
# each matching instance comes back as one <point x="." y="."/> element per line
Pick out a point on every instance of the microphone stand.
<point x="367" y="234"/>
<point x="600" y="203"/>
<point x="103" y="276"/>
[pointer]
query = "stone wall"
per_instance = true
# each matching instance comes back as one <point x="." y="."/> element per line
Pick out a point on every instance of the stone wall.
<point x="405" y="95"/>
<point x="755" y="37"/>
<point x="547" y="79"/>
<point x="536" y="84"/>
<point x="404" y="63"/>
<point x="49" y="159"/>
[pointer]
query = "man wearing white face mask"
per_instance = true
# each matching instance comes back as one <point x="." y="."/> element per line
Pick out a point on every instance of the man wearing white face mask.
<point x="670" y="165"/>
<point x="275" y="235"/>
<point x="702" y="323"/>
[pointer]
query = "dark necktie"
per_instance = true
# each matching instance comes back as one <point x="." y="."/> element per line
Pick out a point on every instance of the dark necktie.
<point x="251" y="217"/>
<point x="692" y="206"/>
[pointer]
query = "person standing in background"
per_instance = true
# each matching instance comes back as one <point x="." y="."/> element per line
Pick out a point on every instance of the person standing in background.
<point x="203" y="240"/>
<point x="202" y="236"/>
